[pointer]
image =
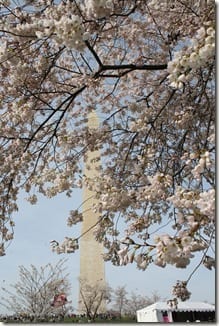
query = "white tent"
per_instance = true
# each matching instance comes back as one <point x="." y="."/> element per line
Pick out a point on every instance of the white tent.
<point x="163" y="312"/>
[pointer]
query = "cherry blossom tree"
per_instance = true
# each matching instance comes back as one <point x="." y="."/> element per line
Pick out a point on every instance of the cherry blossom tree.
<point x="128" y="303"/>
<point x="120" y="299"/>
<point x="147" y="68"/>
<point x="38" y="291"/>
<point x="93" y="298"/>
<point x="137" y="301"/>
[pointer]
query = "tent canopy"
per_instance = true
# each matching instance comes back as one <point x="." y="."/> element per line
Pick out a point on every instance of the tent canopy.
<point x="181" y="306"/>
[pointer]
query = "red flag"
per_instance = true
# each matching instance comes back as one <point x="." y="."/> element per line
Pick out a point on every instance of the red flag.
<point x="59" y="300"/>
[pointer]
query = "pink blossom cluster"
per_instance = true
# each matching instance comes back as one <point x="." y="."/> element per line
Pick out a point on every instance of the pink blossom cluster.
<point x="74" y="217"/>
<point x="69" y="245"/>
<point x="201" y="50"/>
<point x="180" y="291"/>
<point x="98" y="8"/>
<point x="173" y="251"/>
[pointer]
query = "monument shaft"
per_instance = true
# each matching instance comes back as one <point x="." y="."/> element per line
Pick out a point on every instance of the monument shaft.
<point x="91" y="260"/>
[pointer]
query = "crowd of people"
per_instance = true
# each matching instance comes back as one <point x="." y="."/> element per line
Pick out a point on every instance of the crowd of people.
<point x="81" y="318"/>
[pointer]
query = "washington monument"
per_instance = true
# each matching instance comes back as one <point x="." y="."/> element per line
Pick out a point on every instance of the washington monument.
<point x="91" y="261"/>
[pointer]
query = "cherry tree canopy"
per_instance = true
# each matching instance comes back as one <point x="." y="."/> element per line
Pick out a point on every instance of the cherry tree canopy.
<point x="147" y="68"/>
<point x="39" y="292"/>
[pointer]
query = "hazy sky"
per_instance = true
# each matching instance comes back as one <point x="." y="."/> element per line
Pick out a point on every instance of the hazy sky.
<point x="37" y="225"/>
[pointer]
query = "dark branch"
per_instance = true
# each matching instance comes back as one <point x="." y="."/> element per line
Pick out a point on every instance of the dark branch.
<point x="134" y="67"/>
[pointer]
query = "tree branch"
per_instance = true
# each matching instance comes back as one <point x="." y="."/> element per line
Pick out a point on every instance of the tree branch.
<point x="134" y="67"/>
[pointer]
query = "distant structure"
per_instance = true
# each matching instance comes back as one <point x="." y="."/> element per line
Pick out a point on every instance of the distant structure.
<point x="91" y="262"/>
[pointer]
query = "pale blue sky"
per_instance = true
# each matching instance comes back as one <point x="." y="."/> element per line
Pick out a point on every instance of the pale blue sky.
<point x="37" y="225"/>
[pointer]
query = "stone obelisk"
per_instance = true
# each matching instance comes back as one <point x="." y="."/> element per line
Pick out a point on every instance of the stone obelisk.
<point x="91" y="260"/>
